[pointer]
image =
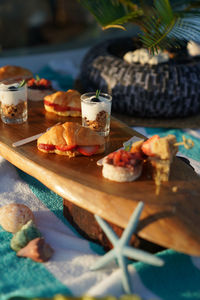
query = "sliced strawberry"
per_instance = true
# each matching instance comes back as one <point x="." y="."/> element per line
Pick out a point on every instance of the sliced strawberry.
<point x="58" y="107"/>
<point x="45" y="82"/>
<point x="125" y="156"/>
<point x="88" y="150"/>
<point x="117" y="158"/>
<point x="41" y="83"/>
<point x="46" y="147"/>
<point x="65" y="147"/>
<point x="146" y="146"/>
<point x="31" y="82"/>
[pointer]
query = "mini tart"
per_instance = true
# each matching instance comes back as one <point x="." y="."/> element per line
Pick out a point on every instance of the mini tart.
<point x="38" y="89"/>
<point x="64" y="103"/>
<point x="14" y="72"/>
<point x="71" y="139"/>
<point x="122" y="166"/>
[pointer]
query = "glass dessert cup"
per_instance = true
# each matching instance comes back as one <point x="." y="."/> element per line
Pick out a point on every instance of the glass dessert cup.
<point x="96" y="112"/>
<point x="13" y="100"/>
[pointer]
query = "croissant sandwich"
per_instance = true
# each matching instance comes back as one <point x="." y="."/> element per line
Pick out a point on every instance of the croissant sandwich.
<point x="71" y="139"/>
<point x="64" y="103"/>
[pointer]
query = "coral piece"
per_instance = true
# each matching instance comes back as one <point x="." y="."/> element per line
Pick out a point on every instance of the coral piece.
<point x="13" y="216"/>
<point x="122" y="250"/>
<point x="27" y="233"/>
<point x="37" y="249"/>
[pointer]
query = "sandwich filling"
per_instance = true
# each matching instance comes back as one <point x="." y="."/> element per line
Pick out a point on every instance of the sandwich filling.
<point x="60" y="108"/>
<point x="64" y="149"/>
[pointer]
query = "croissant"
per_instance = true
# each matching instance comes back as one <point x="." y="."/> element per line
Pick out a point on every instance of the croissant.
<point x="14" y="72"/>
<point x="64" y="103"/>
<point x="71" y="139"/>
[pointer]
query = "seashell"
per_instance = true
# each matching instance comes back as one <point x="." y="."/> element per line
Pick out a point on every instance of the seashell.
<point x="27" y="233"/>
<point x="13" y="216"/>
<point x="37" y="249"/>
<point x="193" y="48"/>
<point x="143" y="56"/>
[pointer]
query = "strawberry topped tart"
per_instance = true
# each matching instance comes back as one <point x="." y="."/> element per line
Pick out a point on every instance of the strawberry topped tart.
<point x="122" y="166"/>
<point x="39" y="88"/>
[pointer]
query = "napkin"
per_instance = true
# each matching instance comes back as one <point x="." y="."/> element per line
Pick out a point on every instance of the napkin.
<point x="68" y="271"/>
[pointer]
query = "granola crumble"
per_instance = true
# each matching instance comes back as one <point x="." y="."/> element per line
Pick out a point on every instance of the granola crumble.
<point x="99" y="123"/>
<point x="14" y="111"/>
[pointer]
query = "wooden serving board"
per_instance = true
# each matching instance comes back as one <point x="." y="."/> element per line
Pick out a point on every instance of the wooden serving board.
<point x="170" y="219"/>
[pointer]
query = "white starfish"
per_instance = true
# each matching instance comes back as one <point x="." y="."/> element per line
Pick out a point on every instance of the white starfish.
<point x="122" y="250"/>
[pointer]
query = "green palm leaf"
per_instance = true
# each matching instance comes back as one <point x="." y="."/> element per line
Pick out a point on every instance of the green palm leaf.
<point x="166" y="28"/>
<point x="112" y="12"/>
<point x="184" y="4"/>
<point x="163" y="23"/>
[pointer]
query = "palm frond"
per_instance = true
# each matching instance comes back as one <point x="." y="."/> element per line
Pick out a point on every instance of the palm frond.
<point x="186" y="29"/>
<point x="112" y="12"/>
<point x="164" y="23"/>
<point x="184" y="4"/>
<point x="167" y="28"/>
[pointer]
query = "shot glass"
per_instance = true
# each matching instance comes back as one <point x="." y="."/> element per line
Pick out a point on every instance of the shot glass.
<point x="96" y="112"/>
<point x="13" y="99"/>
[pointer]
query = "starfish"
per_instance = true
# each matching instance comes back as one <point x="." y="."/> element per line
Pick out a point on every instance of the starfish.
<point x="122" y="251"/>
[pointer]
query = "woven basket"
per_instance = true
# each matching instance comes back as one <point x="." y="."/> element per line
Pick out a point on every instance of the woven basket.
<point x="169" y="89"/>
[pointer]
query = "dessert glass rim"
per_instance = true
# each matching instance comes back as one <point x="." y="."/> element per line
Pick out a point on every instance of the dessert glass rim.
<point x="86" y="96"/>
<point x="5" y="87"/>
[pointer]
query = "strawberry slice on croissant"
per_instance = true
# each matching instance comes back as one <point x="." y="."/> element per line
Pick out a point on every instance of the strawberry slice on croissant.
<point x="71" y="139"/>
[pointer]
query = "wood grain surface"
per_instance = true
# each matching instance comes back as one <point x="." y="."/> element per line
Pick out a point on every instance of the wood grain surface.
<point x="169" y="219"/>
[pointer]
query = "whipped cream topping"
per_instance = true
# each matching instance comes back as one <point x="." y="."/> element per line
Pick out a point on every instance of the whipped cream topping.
<point x="143" y="56"/>
<point x="91" y="109"/>
<point x="12" y="97"/>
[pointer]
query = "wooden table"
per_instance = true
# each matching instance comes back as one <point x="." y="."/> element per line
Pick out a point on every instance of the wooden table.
<point x="169" y="219"/>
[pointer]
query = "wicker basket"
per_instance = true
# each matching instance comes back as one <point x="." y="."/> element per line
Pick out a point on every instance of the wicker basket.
<point x="169" y="89"/>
